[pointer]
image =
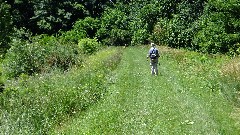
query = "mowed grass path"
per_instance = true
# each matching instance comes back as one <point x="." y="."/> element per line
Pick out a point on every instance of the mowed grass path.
<point x="178" y="101"/>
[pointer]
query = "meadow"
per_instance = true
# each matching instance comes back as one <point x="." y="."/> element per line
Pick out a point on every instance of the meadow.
<point x="64" y="69"/>
<point x="188" y="97"/>
<point x="113" y="92"/>
<point x="33" y="104"/>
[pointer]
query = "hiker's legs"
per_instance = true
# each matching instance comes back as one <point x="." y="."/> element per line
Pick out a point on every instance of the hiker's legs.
<point x="154" y="69"/>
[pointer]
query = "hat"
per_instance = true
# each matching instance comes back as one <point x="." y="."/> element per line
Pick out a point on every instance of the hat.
<point x="152" y="44"/>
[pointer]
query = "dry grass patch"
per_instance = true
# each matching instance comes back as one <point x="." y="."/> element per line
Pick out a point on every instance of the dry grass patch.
<point x="232" y="69"/>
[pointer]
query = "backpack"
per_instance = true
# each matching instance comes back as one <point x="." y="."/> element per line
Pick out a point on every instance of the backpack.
<point x="154" y="54"/>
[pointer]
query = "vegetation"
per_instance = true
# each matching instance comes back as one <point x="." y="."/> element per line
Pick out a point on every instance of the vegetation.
<point x="88" y="46"/>
<point x="208" y="26"/>
<point x="54" y="62"/>
<point x="39" y="57"/>
<point x="186" y="98"/>
<point x="5" y="27"/>
<point x="32" y="105"/>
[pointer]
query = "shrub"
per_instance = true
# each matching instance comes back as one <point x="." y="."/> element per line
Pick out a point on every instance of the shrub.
<point x="119" y="37"/>
<point x="211" y="37"/>
<point x="159" y="33"/>
<point x="88" y="46"/>
<point x="177" y="30"/>
<point x="85" y="28"/>
<point x="73" y="35"/>
<point x="38" y="57"/>
<point x="143" y="18"/>
<point x="89" y="25"/>
<point x="44" y="39"/>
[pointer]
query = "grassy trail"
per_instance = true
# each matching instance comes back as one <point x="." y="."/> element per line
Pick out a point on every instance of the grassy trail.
<point x="175" y="102"/>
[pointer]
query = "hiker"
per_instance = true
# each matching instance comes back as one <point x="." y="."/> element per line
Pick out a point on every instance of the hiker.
<point x="153" y="55"/>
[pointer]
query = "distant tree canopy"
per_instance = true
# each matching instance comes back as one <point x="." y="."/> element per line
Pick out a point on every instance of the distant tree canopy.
<point x="50" y="16"/>
<point x="218" y="27"/>
<point x="207" y="25"/>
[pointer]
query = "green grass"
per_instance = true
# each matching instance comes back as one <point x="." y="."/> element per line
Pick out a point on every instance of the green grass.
<point x="186" y="98"/>
<point x="192" y="95"/>
<point x="34" y="104"/>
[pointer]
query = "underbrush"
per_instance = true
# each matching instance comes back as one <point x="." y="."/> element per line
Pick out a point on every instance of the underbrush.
<point x="37" y="56"/>
<point x="32" y="105"/>
<point x="42" y="54"/>
<point x="221" y="72"/>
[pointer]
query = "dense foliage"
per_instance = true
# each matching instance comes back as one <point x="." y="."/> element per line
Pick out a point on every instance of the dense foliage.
<point x="39" y="57"/>
<point x="88" y="46"/>
<point x="49" y="16"/>
<point x="114" y="28"/>
<point x="209" y="26"/>
<point x="201" y="25"/>
<point x="5" y="26"/>
<point x="218" y="29"/>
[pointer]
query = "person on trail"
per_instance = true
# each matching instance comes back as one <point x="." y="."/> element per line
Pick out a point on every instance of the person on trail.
<point x="153" y="55"/>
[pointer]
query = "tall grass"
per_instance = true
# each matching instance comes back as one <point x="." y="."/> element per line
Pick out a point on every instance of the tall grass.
<point x="186" y="98"/>
<point x="213" y="82"/>
<point x="32" y="105"/>
<point x="230" y="73"/>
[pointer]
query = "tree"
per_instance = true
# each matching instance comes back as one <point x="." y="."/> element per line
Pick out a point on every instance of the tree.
<point x="114" y="29"/>
<point x="144" y="16"/>
<point x="219" y="27"/>
<point x="176" y="26"/>
<point x="5" y="26"/>
<point x="54" y="15"/>
<point x="22" y="11"/>
<point x="50" y="16"/>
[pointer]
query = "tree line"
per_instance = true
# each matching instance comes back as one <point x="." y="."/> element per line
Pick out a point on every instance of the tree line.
<point x="204" y="25"/>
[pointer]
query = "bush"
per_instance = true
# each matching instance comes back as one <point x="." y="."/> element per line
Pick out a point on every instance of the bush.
<point x="88" y="46"/>
<point x="159" y="33"/>
<point x="89" y="25"/>
<point x="143" y="18"/>
<point x="85" y="28"/>
<point x="73" y="35"/>
<point x="211" y="35"/>
<point x="119" y="37"/>
<point x="38" y="57"/>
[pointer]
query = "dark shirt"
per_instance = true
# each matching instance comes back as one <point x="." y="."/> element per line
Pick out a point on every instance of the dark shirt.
<point x="150" y="51"/>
